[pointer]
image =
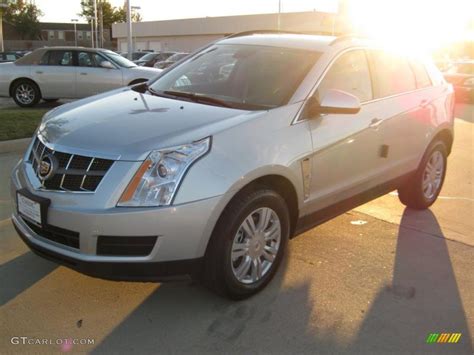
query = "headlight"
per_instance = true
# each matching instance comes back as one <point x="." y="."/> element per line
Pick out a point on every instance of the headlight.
<point x="158" y="178"/>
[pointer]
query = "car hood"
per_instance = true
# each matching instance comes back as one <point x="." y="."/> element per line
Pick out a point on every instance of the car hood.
<point x="127" y="125"/>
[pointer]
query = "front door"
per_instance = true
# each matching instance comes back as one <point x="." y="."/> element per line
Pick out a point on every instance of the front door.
<point x="346" y="147"/>
<point x="91" y="78"/>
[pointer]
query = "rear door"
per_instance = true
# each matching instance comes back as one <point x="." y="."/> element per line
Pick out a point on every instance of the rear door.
<point x="92" y="78"/>
<point x="403" y="107"/>
<point x="345" y="146"/>
<point x="56" y="74"/>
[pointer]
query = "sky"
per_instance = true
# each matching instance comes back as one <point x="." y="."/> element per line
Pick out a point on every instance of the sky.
<point x="65" y="10"/>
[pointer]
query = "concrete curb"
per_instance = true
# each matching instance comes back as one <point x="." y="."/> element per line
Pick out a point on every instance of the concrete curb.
<point x="14" y="145"/>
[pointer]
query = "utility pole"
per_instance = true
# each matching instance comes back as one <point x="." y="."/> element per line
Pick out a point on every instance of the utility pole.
<point x="129" y="30"/>
<point x="75" y="20"/>
<point x="2" y="6"/>
<point x="279" y="12"/>
<point x="91" y="19"/>
<point x="101" y="26"/>
<point x="95" y="25"/>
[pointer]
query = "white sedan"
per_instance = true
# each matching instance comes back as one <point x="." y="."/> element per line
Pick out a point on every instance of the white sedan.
<point x="68" y="72"/>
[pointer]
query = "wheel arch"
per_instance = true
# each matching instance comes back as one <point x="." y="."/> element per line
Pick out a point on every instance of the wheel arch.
<point x="12" y="84"/>
<point x="446" y="136"/>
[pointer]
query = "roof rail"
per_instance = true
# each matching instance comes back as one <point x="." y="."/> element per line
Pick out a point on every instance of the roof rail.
<point x="346" y="38"/>
<point x="248" y="33"/>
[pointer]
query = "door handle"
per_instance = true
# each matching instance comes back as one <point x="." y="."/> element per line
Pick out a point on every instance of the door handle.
<point x="375" y="122"/>
<point x="83" y="73"/>
<point x="424" y="103"/>
<point x="39" y="72"/>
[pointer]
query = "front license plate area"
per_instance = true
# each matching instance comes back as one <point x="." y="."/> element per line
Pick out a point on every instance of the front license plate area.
<point x="31" y="207"/>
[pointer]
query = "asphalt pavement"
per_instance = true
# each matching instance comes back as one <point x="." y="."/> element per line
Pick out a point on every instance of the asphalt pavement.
<point x="375" y="280"/>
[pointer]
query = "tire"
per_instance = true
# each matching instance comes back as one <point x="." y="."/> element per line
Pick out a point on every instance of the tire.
<point x="222" y="268"/>
<point x="50" y="100"/>
<point x="415" y="193"/>
<point x="26" y="93"/>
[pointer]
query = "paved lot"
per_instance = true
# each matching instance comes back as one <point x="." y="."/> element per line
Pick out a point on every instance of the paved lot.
<point x="346" y="287"/>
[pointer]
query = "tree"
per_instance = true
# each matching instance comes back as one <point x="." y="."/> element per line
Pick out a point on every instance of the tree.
<point x="110" y="13"/>
<point x="25" y="17"/>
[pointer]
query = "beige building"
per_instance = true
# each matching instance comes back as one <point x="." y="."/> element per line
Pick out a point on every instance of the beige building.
<point x="189" y="34"/>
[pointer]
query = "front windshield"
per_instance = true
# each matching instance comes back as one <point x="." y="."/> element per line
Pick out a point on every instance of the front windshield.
<point x="149" y="56"/>
<point x="242" y="76"/>
<point x="119" y="60"/>
<point x="177" y="56"/>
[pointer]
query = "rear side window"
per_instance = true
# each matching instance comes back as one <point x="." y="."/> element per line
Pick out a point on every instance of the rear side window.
<point x="421" y="75"/>
<point x="60" y="58"/>
<point x="349" y="73"/>
<point x="392" y="74"/>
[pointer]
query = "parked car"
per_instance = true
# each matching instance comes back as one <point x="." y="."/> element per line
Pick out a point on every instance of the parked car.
<point x="68" y="72"/>
<point x="170" y="61"/>
<point x="463" y="86"/>
<point x="212" y="178"/>
<point x="149" y="60"/>
<point x="6" y="57"/>
<point x="462" y="67"/>
<point x="135" y="55"/>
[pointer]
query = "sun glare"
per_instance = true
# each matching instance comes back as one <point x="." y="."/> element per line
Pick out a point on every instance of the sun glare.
<point x="418" y="25"/>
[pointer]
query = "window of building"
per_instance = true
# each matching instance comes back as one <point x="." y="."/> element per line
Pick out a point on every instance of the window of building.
<point x="349" y="73"/>
<point x="80" y="35"/>
<point x="392" y="74"/>
<point x="61" y="35"/>
<point x="51" y="35"/>
<point x="88" y="34"/>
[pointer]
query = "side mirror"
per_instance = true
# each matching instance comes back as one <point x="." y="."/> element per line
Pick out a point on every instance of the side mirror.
<point x="335" y="101"/>
<point x="107" y="65"/>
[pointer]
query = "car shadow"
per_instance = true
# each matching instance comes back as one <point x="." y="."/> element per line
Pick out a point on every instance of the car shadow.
<point x="464" y="112"/>
<point x="19" y="274"/>
<point x="423" y="297"/>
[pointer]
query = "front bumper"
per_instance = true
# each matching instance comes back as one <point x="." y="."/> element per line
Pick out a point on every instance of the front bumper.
<point x="182" y="234"/>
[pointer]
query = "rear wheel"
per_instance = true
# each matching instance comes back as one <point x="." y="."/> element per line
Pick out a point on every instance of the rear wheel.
<point x="423" y="189"/>
<point x="248" y="244"/>
<point x="26" y="93"/>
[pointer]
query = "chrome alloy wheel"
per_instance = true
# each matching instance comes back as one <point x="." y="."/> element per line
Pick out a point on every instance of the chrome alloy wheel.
<point x="25" y="94"/>
<point x="433" y="175"/>
<point x="256" y="245"/>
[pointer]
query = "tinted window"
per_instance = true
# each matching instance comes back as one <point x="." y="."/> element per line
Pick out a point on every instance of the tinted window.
<point x="349" y="73"/>
<point x="63" y="58"/>
<point x="392" y="74"/>
<point x="84" y="59"/>
<point x="421" y="75"/>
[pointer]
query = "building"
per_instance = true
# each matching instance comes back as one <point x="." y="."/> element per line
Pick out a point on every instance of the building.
<point x="189" y="34"/>
<point x="53" y="34"/>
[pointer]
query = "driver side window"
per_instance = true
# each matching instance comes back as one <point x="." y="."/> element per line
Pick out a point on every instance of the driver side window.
<point x="349" y="73"/>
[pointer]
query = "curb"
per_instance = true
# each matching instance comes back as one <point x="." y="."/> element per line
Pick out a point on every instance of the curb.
<point x="14" y="145"/>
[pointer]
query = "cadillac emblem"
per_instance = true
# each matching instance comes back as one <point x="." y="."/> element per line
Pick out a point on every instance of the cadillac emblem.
<point x="47" y="167"/>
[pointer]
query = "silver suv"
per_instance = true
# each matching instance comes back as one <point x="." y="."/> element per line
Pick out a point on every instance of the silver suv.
<point x="210" y="169"/>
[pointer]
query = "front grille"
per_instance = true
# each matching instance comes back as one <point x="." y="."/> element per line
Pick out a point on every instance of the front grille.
<point x="56" y="234"/>
<point x="125" y="246"/>
<point x="74" y="172"/>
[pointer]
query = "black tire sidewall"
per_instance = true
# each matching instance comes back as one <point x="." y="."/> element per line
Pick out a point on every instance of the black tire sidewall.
<point x="35" y="89"/>
<point x="258" y="199"/>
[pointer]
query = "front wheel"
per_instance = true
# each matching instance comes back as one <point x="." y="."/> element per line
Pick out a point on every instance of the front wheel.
<point x="26" y="93"/>
<point x="248" y="244"/>
<point x="423" y="189"/>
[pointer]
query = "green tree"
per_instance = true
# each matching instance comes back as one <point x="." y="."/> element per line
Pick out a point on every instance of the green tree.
<point x="25" y="17"/>
<point x="110" y="13"/>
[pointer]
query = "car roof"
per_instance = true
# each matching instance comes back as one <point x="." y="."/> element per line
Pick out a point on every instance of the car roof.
<point x="317" y="43"/>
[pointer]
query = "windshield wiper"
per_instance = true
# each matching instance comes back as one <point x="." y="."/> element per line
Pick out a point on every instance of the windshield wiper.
<point x="198" y="98"/>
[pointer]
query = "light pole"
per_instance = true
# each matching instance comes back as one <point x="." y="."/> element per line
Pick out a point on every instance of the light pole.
<point x="91" y="19"/>
<point x="129" y="30"/>
<point x="134" y="43"/>
<point x="279" y="12"/>
<point x="95" y="26"/>
<point x="2" y="6"/>
<point x="75" y="20"/>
